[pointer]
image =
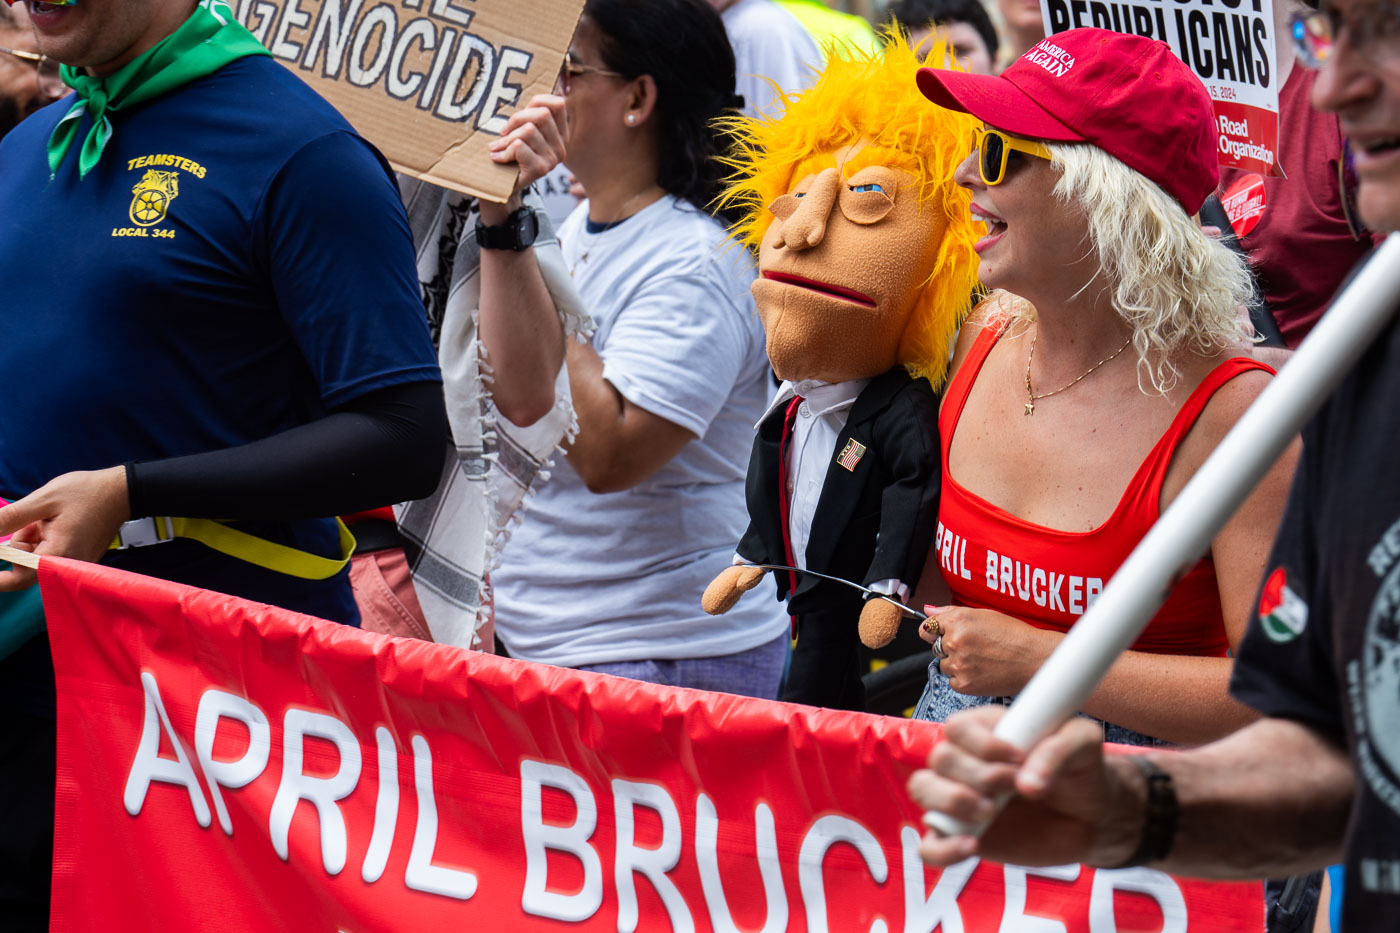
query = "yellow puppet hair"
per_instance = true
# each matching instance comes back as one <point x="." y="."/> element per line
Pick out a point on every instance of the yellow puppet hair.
<point x="871" y="96"/>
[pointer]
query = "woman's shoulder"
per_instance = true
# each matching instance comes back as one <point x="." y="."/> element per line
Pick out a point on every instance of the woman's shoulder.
<point x="993" y="314"/>
<point x="1221" y="387"/>
<point x="680" y="238"/>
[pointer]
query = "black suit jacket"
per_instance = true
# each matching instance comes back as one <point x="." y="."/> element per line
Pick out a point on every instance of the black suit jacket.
<point x="873" y="522"/>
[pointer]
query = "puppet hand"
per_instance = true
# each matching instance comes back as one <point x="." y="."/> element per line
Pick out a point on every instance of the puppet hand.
<point x="724" y="590"/>
<point x="879" y="621"/>
<point x="988" y="654"/>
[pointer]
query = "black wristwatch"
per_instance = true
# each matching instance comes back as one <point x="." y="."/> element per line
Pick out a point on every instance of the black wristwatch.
<point x="517" y="232"/>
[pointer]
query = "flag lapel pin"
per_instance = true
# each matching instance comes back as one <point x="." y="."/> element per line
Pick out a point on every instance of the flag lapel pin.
<point x="851" y="455"/>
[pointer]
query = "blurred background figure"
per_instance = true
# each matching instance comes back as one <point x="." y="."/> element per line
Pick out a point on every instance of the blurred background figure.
<point x="1302" y="233"/>
<point x="770" y="48"/>
<point x="607" y="569"/>
<point x="963" y="24"/>
<point x="827" y="25"/>
<point x="28" y="80"/>
<point x="1021" y="27"/>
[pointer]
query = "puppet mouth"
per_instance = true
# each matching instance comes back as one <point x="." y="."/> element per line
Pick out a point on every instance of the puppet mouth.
<point x="835" y="291"/>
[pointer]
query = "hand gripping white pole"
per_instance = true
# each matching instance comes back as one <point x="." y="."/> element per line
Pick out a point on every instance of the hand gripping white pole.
<point x="1184" y="531"/>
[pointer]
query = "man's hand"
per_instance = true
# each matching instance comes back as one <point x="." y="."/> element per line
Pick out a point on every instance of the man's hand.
<point x="1069" y="803"/>
<point x="74" y="515"/>
<point x="534" y="139"/>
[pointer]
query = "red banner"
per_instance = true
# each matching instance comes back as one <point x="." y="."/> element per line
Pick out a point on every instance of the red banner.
<point x="226" y="766"/>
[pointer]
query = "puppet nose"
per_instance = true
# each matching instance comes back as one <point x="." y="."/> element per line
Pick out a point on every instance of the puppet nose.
<point x="807" y="225"/>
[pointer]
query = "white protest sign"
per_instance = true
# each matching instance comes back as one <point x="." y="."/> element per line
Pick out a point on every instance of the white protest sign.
<point x="1229" y="44"/>
<point x="429" y="82"/>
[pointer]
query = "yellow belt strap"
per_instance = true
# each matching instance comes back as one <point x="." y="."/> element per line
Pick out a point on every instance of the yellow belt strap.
<point x="238" y="544"/>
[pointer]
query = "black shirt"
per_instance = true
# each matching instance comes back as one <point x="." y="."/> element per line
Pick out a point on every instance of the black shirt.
<point x="1325" y="648"/>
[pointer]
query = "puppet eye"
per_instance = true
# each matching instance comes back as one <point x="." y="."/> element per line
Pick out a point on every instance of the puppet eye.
<point x="867" y="202"/>
<point x="799" y="194"/>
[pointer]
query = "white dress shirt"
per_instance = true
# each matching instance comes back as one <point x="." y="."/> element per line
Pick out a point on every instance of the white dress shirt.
<point x="820" y="420"/>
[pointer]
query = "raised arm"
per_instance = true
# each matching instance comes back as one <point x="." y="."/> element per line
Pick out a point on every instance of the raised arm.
<point x="519" y="325"/>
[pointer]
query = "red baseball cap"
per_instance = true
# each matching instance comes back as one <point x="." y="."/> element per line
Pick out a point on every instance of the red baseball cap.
<point x="1128" y="95"/>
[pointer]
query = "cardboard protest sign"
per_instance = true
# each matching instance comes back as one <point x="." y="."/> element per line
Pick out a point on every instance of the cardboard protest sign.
<point x="1229" y="44"/>
<point x="430" y="82"/>
<point x="255" y="770"/>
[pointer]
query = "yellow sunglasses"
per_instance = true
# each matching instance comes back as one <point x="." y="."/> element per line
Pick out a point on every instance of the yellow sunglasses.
<point x="994" y="148"/>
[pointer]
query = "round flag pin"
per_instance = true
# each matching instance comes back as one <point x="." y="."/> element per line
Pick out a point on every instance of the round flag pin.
<point x="1282" y="612"/>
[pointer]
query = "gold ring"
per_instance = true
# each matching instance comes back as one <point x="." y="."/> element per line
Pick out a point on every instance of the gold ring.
<point x="931" y="626"/>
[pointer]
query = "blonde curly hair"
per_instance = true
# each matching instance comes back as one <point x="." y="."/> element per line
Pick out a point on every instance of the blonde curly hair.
<point x="1178" y="289"/>
<point x="871" y="96"/>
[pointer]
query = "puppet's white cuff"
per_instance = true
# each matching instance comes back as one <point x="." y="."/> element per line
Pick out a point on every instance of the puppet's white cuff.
<point x="891" y="587"/>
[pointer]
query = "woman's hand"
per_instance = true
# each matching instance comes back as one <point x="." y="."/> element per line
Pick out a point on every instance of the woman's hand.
<point x="986" y="653"/>
<point x="534" y="139"/>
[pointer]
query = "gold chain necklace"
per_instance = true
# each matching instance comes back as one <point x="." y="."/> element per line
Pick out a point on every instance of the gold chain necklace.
<point x="1032" y="398"/>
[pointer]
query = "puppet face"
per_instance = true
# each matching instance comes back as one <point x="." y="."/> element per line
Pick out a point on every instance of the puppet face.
<point x="850" y="248"/>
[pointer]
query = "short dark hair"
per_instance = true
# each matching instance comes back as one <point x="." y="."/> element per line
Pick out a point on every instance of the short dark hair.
<point x="916" y="14"/>
<point x="683" y="46"/>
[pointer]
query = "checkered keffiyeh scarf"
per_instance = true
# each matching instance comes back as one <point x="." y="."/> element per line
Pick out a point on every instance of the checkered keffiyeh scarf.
<point x="453" y="537"/>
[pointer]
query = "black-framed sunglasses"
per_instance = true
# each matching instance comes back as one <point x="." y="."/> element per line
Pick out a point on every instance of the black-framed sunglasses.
<point x="1316" y="32"/>
<point x="994" y="148"/>
<point x="49" y="80"/>
<point x="572" y="68"/>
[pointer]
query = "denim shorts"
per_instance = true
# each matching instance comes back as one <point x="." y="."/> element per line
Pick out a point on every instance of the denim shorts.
<point x="940" y="701"/>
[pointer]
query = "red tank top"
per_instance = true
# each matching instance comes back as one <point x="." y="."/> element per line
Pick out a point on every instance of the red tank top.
<point x="1047" y="577"/>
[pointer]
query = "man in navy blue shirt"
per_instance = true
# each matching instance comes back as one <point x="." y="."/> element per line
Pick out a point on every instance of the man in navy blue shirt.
<point x="211" y="312"/>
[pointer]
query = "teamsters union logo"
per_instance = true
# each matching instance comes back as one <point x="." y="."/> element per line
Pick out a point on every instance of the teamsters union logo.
<point x="152" y="196"/>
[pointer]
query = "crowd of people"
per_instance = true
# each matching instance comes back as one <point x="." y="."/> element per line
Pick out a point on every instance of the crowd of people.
<point x="247" y="345"/>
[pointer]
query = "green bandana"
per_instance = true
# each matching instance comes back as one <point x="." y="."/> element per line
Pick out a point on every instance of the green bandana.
<point x="208" y="40"/>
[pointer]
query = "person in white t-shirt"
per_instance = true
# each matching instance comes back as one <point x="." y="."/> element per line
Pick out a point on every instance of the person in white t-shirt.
<point x="607" y="569"/>
<point x="772" y="51"/>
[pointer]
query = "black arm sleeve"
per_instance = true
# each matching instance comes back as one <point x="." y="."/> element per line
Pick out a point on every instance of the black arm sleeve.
<point x="380" y="448"/>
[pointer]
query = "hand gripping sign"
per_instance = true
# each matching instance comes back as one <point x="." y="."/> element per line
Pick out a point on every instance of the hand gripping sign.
<point x="429" y="82"/>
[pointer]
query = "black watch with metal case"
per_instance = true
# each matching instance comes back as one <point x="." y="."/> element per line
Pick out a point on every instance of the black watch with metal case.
<point x="517" y="232"/>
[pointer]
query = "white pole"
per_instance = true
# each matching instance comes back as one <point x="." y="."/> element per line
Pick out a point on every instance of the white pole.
<point x="1184" y="532"/>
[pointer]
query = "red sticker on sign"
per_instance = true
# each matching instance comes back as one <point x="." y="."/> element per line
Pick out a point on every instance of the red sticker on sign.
<point x="1244" y="203"/>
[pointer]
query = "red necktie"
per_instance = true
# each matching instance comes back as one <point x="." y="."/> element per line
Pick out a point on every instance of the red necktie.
<point x="785" y="497"/>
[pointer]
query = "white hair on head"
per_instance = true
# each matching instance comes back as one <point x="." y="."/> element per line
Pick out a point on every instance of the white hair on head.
<point x="1178" y="289"/>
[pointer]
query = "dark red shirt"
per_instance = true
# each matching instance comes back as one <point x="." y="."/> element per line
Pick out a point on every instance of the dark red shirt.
<point x="1301" y="247"/>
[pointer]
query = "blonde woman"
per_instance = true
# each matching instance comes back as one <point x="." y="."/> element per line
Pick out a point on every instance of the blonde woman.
<point x="1077" y="410"/>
